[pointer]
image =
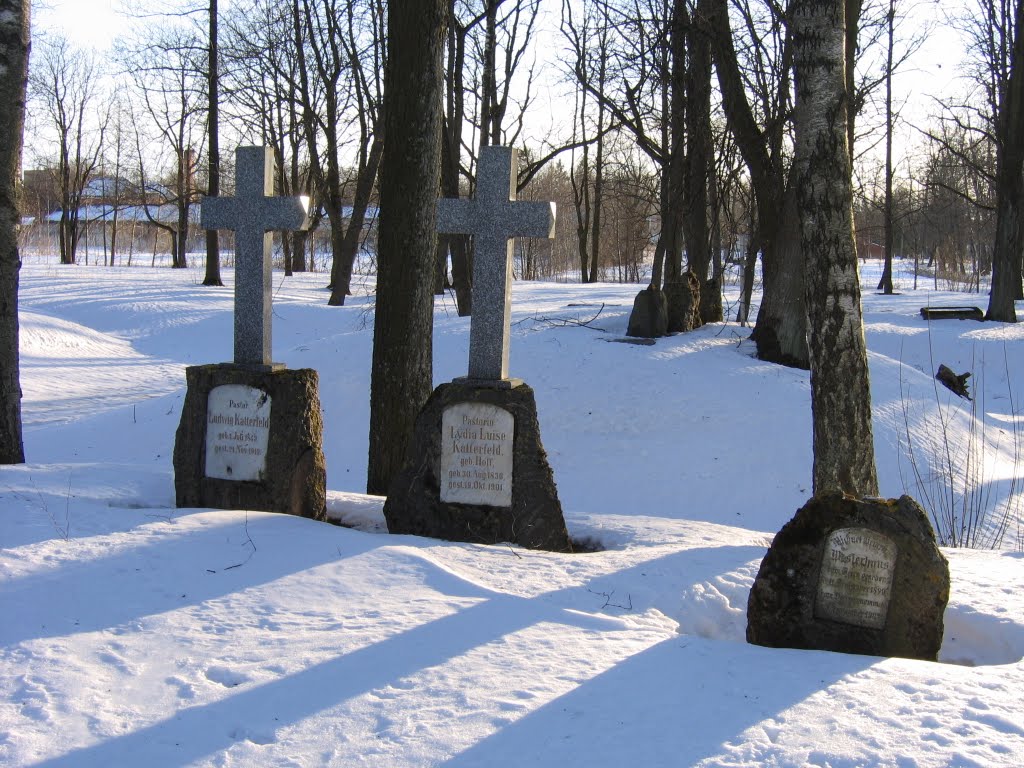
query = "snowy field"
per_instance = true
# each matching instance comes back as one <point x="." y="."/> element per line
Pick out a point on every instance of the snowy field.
<point x="133" y="633"/>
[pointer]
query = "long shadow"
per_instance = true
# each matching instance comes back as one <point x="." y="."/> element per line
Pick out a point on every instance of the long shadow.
<point x="189" y="735"/>
<point x="193" y="733"/>
<point x="77" y="596"/>
<point x="673" y="704"/>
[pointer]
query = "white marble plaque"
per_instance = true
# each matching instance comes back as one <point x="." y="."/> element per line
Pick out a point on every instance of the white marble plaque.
<point x="237" y="432"/>
<point x="855" y="583"/>
<point x="476" y="454"/>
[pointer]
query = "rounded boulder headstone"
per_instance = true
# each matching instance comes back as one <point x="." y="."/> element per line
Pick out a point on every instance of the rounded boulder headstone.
<point x="852" y="575"/>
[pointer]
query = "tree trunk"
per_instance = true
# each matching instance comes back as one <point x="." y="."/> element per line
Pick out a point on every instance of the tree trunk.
<point x="361" y="201"/>
<point x="458" y="245"/>
<point x="1009" y="243"/>
<point x="14" y="44"/>
<point x="401" y="376"/>
<point x="212" y="276"/>
<point x="885" y="284"/>
<point x="844" y="456"/>
<point x="780" y="332"/>
<point x="699" y="147"/>
<point x="781" y="329"/>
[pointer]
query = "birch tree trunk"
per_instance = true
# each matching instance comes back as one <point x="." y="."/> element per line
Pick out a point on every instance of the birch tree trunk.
<point x="844" y="457"/>
<point x="14" y="44"/>
<point x="401" y="376"/>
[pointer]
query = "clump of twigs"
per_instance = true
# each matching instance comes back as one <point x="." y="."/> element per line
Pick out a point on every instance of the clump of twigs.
<point x="954" y="475"/>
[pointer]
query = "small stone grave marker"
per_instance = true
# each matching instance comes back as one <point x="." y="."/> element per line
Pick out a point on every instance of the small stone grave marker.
<point x="251" y="432"/>
<point x="852" y="575"/>
<point x="476" y="469"/>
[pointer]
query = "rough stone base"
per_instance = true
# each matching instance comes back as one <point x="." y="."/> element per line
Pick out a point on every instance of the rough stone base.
<point x="535" y="518"/>
<point x="711" y="310"/>
<point x="295" y="478"/>
<point x="649" y="318"/>
<point x="683" y="297"/>
<point x="781" y="612"/>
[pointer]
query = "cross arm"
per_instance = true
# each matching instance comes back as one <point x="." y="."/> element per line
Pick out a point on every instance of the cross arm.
<point x="218" y="213"/>
<point x="285" y="214"/>
<point x="456" y="216"/>
<point x="533" y="219"/>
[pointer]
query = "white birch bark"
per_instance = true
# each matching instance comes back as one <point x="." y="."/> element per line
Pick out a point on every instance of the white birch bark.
<point x="844" y="456"/>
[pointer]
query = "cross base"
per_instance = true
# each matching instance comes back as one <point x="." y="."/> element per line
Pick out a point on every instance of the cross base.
<point x="489" y="383"/>
<point x="259" y="367"/>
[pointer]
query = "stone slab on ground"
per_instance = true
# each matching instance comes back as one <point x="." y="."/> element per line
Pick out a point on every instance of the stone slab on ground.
<point x="852" y="575"/>
<point x="251" y="439"/>
<point x="470" y="461"/>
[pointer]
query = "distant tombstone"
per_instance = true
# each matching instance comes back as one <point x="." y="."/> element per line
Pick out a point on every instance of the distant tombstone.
<point x="649" y="318"/>
<point x="476" y="469"/>
<point x="250" y="433"/>
<point x="855" y="576"/>
<point x="683" y="298"/>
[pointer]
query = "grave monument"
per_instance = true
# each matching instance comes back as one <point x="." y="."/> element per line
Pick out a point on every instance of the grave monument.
<point x="476" y="469"/>
<point x="852" y="575"/>
<point x="251" y="432"/>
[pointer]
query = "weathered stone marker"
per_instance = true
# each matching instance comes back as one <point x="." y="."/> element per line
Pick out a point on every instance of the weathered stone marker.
<point x="476" y="469"/>
<point x="250" y="434"/>
<point x="852" y="575"/>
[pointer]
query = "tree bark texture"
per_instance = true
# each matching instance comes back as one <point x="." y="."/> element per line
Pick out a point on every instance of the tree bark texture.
<point x="451" y="148"/>
<point x="401" y="376"/>
<point x="699" y="147"/>
<point x="212" y="276"/>
<point x="1009" y="186"/>
<point x="14" y="46"/>
<point x="844" y="457"/>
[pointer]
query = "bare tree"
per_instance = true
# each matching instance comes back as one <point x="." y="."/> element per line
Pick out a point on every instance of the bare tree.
<point x="65" y="81"/>
<point x="755" y="92"/>
<point x="844" y="454"/>
<point x="212" y="276"/>
<point x="588" y="39"/>
<point x="401" y="375"/>
<point x="488" y="46"/>
<point x="263" y="88"/>
<point x="169" y="69"/>
<point x="365" y="47"/>
<point x="14" y="48"/>
<point x="1009" y="243"/>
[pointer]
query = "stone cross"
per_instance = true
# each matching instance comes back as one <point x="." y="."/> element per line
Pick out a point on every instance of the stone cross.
<point x="493" y="217"/>
<point x="253" y="214"/>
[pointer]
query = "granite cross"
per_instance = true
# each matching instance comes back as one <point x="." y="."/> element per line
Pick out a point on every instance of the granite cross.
<point x="493" y="217"/>
<point x="253" y="214"/>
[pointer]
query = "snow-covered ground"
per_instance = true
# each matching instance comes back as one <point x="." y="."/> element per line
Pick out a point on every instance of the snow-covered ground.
<point x="133" y="633"/>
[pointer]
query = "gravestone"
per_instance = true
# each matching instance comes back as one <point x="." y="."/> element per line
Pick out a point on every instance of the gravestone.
<point x="852" y="575"/>
<point x="251" y="432"/>
<point x="475" y="469"/>
<point x="649" y="318"/>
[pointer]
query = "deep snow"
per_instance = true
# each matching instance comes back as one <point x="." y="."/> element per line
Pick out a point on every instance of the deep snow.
<point x="136" y="634"/>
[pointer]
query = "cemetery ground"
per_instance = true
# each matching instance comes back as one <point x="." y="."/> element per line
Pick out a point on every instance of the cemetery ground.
<point x="133" y="633"/>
